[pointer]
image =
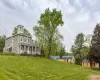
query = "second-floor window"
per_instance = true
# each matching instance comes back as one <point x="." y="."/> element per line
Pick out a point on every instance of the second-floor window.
<point x="25" y="39"/>
<point x="21" y="40"/>
<point x="28" y="40"/>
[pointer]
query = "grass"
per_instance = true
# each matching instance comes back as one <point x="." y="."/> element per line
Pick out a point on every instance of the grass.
<point x="36" y="68"/>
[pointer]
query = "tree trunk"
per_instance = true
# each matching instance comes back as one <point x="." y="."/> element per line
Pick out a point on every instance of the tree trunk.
<point x="49" y="47"/>
<point x="90" y="61"/>
<point x="99" y="65"/>
<point x="49" y="52"/>
<point x="80" y="59"/>
<point x="91" y="64"/>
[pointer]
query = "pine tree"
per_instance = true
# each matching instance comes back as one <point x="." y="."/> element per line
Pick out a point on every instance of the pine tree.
<point x="94" y="54"/>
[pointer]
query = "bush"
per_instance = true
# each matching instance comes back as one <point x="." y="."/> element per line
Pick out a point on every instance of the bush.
<point x="1" y="53"/>
<point x="26" y="54"/>
<point x="22" y="54"/>
<point x="8" y="53"/>
<point x="77" y="61"/>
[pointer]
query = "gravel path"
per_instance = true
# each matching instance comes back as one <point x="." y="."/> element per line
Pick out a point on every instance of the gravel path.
<point x="95" y="77"/>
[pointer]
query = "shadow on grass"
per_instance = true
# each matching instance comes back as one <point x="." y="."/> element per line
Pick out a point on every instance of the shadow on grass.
<point x="96" y="69"/>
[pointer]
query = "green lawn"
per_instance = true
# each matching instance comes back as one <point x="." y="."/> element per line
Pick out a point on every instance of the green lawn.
<point x="36" y="68"/>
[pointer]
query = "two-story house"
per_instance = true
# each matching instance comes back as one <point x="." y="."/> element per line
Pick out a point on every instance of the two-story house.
<point x="21" y="43"/>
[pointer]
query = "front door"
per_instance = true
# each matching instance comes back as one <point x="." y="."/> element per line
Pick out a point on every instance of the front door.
<point x="10" y="49"/>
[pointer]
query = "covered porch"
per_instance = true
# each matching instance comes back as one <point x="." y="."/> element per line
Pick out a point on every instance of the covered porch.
<point x="28" y="49"/>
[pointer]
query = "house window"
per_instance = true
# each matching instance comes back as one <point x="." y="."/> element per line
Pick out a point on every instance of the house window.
<point x="21" y="39"/>
<point x="28" y="40"/>
<point x="33" y="48"/>
<point x="37" y="49"/>
<point x="24" y="39"/>
<point x="21" y="47"/>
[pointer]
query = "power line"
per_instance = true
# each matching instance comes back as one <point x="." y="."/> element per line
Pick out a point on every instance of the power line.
<point x="0" y="33"/>
<point x="4" y="27"/>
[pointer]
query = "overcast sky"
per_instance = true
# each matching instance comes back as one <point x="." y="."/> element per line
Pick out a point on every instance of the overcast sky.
<point x="78" y="15"/>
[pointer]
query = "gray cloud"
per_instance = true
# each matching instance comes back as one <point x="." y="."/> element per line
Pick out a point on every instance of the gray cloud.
<point x="78" y="15"/>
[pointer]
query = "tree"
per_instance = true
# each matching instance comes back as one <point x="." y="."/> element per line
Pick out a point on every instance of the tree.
<point x="78" y="47"/>
<point x="88" y="40"/>
<point x="94" y="54"/>
<point x="87" y="45"/>
<point x="62" y="52"/>
<point x="47" y="29"/>
<point x="15" y="31"/>
<point x="85" y="52"/>
<point x="26" y="31"/>
<point x="2" y="42"/>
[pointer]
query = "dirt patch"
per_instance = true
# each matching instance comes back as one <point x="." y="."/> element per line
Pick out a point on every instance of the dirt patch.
<point x="95" y="77"/>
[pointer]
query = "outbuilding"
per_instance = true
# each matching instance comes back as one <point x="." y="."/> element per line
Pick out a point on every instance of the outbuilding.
<point x="69" y="59"/>
<point x="86" y="63"/>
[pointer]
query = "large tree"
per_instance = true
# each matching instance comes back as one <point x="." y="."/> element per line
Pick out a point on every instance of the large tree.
<point x="78" y="47"/>
<point x="15" y="31"/>
<point x="47" y="30"/>
<point x="95" y="45"/>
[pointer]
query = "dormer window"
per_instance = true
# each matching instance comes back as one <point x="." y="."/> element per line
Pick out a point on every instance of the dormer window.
<point x="20" y="28"/>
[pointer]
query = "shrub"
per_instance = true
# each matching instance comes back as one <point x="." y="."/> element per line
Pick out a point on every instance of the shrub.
<point x="8" y="53"/>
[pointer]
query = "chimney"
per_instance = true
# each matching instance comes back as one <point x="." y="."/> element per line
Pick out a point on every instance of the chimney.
<point x="20" y="29"/>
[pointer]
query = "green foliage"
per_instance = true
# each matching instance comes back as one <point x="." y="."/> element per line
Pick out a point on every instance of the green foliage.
<point x="62" y="52"/>
<point x="46" y="31"/>
<point x="85" y="51"/>
<point x="77" y="59"/>
<point x="79" y="41"/>
<point x="79" y="50"/>
<point x="39" y="68"/>
<point x="8" y="53"/>
<point x="15" y="31"/>
<point x="95" y="45"/>
<point x="26" y="31"/>
<point x="2" y="42"/>
<point x="68" y="54"/>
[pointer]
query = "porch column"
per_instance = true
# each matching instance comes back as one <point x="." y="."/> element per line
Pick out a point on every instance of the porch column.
<point x="35" y="50"/>
<point x="32" y="50"/>
<point x="24" y="49"/>
<point x="19" y="49"/>
<point x="28" y="50"/>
